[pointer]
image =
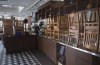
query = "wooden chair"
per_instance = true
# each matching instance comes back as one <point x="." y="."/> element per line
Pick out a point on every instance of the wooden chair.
<point x="81" y="28"/>
<point x="91" y="29"/>
<point x="73" y="28"/>
<point x="63" y="28"/>
<point x="56" y="28"/>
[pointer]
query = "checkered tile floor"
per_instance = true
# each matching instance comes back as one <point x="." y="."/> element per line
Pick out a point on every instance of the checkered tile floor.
<point x="23" y="58"/>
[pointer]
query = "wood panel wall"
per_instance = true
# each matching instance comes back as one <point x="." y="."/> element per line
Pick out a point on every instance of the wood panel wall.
<point x="48" y="47"/>
<point x="76" y="57"/>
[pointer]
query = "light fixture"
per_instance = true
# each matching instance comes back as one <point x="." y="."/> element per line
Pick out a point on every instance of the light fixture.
<point x="7" y="17"/>
<point x="19" y="18"/>
<point x="3" y="0"/>
<point x="61" y="0"/>
<point x="7" y="6"/>
<point x="0" y="16"/>
<point x="20" y="8"/>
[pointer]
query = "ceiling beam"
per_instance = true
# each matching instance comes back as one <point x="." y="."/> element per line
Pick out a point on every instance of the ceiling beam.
<point x="37" y="1"/>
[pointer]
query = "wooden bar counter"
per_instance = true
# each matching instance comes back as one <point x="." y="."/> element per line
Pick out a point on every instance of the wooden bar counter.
<point x="74" y="56"/>
<point x="20" y="44"/>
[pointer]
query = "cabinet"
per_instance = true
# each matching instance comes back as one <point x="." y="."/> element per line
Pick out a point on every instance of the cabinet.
<point x="75" y="23"/>
<point x="19" y="26"/>
<point x="8" y="27"/>
<point x="11" y="27"/>
<point x="61" y="57"/>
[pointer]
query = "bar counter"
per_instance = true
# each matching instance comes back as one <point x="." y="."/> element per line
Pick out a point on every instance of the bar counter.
<point x="20" y="43"/>
<point x="74" y="56"/>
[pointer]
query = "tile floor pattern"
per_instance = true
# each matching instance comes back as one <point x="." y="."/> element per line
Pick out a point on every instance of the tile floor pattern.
<point x="23" y="58"/>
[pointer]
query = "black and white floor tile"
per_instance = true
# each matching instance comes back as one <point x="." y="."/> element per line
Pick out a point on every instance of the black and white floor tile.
<point x="23" y="58"/>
